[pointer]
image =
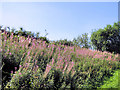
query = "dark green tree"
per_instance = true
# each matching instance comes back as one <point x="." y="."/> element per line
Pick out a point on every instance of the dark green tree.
<point x="107" y="39"/>
<point x="13" y="30"/>
<point x="20" y="32"/>
<point x="64" y="42"/>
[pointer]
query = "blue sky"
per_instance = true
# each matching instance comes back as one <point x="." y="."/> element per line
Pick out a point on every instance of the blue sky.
<point x="62" y="20"/>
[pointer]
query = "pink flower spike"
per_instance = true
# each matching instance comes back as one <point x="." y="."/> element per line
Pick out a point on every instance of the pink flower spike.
<point x="20" y="73"/>
<point x="52" y="61"/>
<point x="72" y="62"/>
<point x="15" y="68"/>
<point x="12" y="72"/>
<point x="28" y="52"/>
<point x="37" y="66"/>
<point x="20" y="66"/>
<point x="41" y="53"/>
<point x="36" y="62"/>
<point x="49" y="65"/>
<point x="12" y="34"/>
<point x="63" y="71"/>
<point x="10" y="53"/>
<point x="47" y="70"/>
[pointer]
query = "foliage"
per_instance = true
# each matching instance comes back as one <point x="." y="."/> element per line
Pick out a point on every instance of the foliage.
<point x="112" y="82"/>
<point x="107" y="39"/>
<point x="25" y="33"/>
<point x="64" y="42"/>
<point x="82" y="41"/>
<point x="46" y="65"/>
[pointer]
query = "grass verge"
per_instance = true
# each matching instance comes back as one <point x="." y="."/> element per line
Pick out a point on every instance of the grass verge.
<point x="113" y="81"/>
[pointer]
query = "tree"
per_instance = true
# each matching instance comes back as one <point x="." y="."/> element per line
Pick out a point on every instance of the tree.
<point x="20" y="32"/>
<point x="82" y="41"/>
<point x="46" y="33"/>
<point x="107" y="39"/>
<point x="37" y="35"/>
<point x="1" y="27"/>
<point x="12" y="30"/>
<point x="64" y="42"/>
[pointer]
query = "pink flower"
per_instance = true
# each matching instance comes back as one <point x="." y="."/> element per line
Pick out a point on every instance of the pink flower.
<point x="73" y="72"/>
<point x="12" y="72"/>
<point x="41" y="53"/>
<point x="33" y="39"/>
<point x="8" y="50"/>
<point x="29" y="41"/>
<point x="48" y="65"/>
<point x="47" y="70"/>
<point x="59" y="48"/>
<point x="36" y="62"/>
<point x="12" y="34"/>
<point x="10" y="53"/>
<point x="20" y="73"/>
<point x="52" y="61"/>
<point x="65" y="67"/>
<point x="33" y="44"/>
<point x="20" y="66"/>
<point x="37" y="66"/>
<point x="70" y="67"/>
<point x="109" y="57"/>
<point x="15" y="68"/>
<point x="61" y="66"/>
<point x="28" y="52"/>
<point x="72" y="62"/>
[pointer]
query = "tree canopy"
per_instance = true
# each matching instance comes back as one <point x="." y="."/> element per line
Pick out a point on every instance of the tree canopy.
<point x="107" y="39"/>
<point x="82" y="41"/>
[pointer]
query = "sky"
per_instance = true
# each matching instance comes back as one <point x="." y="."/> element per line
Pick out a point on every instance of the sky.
<point x="62" y="20"/>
